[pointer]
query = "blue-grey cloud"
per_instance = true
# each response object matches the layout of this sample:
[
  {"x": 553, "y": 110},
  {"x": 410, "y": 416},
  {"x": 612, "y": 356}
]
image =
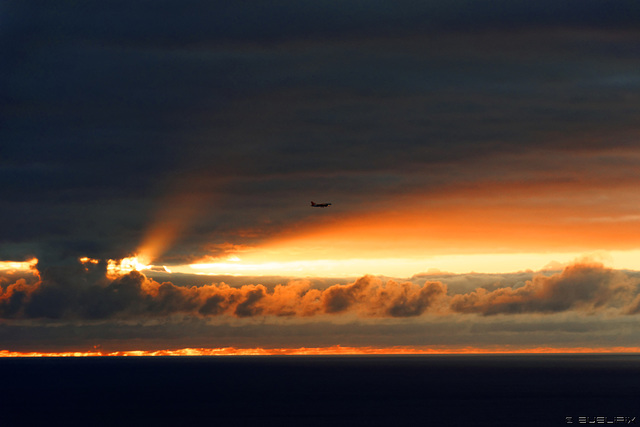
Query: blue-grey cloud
[{"x": 109, "y": 107}]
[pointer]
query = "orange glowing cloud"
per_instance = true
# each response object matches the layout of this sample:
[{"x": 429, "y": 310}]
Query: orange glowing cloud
[
  {"x": 67, "y": 294},
  {"x": 126, "y": 292}
]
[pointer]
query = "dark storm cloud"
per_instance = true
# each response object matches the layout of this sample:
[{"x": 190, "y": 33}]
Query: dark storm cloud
[
  {"x": 110, "y": 108},
  {"x": 171, "y": 22}
]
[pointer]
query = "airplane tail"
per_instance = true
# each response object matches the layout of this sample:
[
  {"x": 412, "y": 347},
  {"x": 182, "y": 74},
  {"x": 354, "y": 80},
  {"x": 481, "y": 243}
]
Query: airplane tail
[{"x": 313, "y": 204}]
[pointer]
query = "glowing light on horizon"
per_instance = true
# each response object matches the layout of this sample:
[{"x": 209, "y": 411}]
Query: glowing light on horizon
[
  {"x": 258, "y": 264},
  {"x": 18, "y": 265},
  {"x": 319, "y": 351},
  {"x": 125, "y": 265}
]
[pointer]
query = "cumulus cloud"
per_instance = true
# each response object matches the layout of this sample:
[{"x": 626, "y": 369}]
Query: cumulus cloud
[
  {"x": 370, "y": 296},
  {"x": 585, "y": 287},
  {"x": 86, "y": 292}
]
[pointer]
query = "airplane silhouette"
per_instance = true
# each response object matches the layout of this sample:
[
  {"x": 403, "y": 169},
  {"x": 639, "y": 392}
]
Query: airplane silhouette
[{"x": 320, "y": 205}]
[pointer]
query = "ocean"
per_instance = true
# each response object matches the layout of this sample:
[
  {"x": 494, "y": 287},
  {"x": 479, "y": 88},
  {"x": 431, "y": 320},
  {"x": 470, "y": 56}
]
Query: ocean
[{"x": 417, "y": 390}]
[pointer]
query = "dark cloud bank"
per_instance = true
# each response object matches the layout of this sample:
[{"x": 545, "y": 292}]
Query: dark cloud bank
[{"x": 111, "y": 108}]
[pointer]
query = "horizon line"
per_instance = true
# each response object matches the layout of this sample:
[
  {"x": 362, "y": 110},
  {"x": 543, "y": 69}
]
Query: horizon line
[{"x": 335, "y": 350}]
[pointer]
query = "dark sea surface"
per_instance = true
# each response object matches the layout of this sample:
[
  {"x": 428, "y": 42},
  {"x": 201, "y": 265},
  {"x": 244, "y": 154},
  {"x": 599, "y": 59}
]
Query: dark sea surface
[{"x": 430, "y": 390}]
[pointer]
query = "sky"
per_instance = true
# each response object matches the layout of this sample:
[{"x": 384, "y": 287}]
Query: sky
[{"x": 158, "y": 160}]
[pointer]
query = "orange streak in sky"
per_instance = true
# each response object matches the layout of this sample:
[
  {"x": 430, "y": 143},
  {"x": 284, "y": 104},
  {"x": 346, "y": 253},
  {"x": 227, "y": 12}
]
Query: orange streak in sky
[
  {"x": 489, "y": 221},
  {"x": 172, "y": 219},
  {"x": 321, "y": 351}
]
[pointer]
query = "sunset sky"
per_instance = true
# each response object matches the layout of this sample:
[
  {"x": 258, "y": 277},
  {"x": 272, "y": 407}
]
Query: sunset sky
[{"x": 158, "y": 160}]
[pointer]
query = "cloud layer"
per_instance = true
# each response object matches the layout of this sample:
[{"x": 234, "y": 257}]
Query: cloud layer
[
  {"x": 114, "y": 111},
  {"x": 578, "y": 287},
  {"x": 85, "y": 292}
]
